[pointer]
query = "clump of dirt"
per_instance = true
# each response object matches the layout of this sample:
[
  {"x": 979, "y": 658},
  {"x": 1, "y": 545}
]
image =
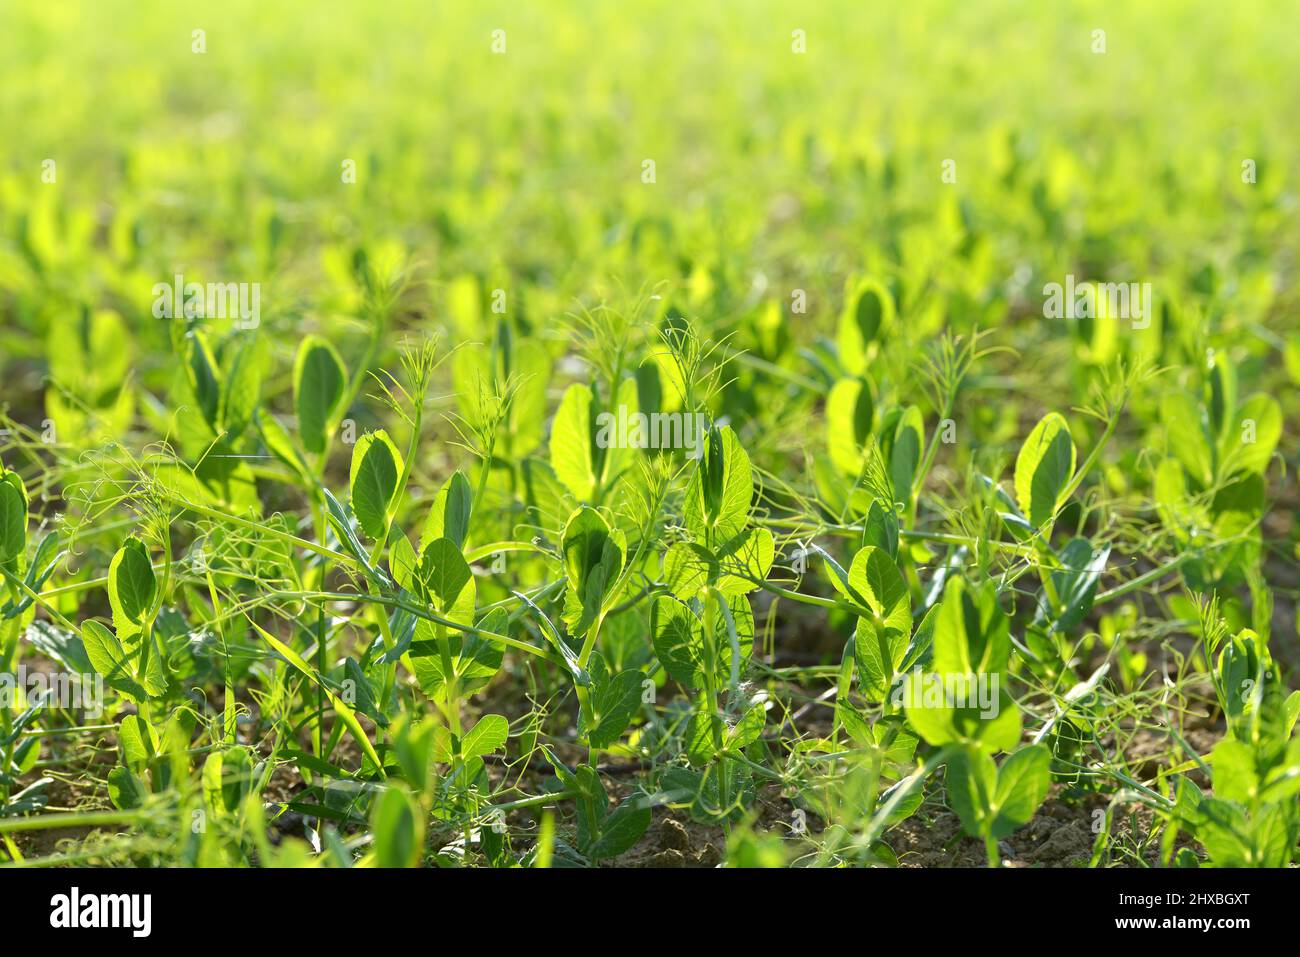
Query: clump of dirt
[
  {"x": 673, "y": 841},
  {"x": 1069, "y": 845}
]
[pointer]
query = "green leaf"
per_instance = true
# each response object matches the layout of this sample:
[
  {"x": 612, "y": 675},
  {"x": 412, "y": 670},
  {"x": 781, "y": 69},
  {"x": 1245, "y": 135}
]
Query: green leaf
[
  {"x": 880, "y": 529},
  {"x": 449, "y": 514},
  {"x": 745, "y": 561},
  {"x": 543, "y": 493},
  {"x": 1223, "y": 828},
  {"x": 850, "y": 414},
  {"x": 874, "y": 576},
  {"x": 953, "y": 708},
  {"x": 236, "y": 776},
  {"x": 971, "y": 780},
  {"x": 13, "y": 517},
  {"x": 1234, "y": 772},
  {"x": 919, "y": 648},
  {"x": 474, "y": 659},
  {"x": 1074, "y": 584},
  {"x": 865, "y": 320},
  {"x": 593, "y": 561},
  {"x": 1282, "y": 782},
  {"x": 279, "y": 444},
  {"x": 201, "y": 372},
  {"x": 131, "y": 584},
  {"x": 110, "y": 659},
  {"x": 879, "y": 654},
  {"x": 229, "y": 480},
  {"x": 488, "y": 735},
  {"x": 612, "y": 701},
  {"x": 676, "y": 634},
  {"x": 1044, "y": 468},
  {"x": 839, "y": 577},
  {"x": 702, "y": 746},
  {"x": 319, "y": 383},
  {"x": 397, "y": 823},
  {"x": 698, "y": 743},
  {"x": 1023, "y": 782},
  {"x": 571, "y": 443},
  {"x": 883, "y": 632},
  {"x": 242, "y": 389},
  {"x": 138, "y": 742},
  {"x": 65, "y": 647},
  {"x": 444, "y": 577},
  {"x": 905, "y": 452},
  {"x": 363, "y": 689},
  {"x": 720, "y": 490},
  {"x": 1222, "y": 382},
  {"x": 972, "y": 633},
  {"x": 1250, "y": 442},
  {"x": 523, "y": 365},
  {"x": 376, "y": 465},
  {"x": 993, "y": 802},
  {"x": 620, "y": 433},
  {"x": 1187, "y": 435},
  {"x": 687, "y": 569},
  {"x": 125, "y": 790},
  {"x": 413, "y": 746},
  {"x": 678, "y": 637},
  {"x": 1291, "y": 712},
  {"x": 403, "y": 563},
  {"x": 213, "y": 788},
  {"x": 621, "y": 829},
  {"x": 749, "y": 728}
]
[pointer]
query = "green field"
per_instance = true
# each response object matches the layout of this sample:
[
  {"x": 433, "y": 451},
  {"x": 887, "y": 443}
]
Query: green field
[{"x": 649, "y": 434}]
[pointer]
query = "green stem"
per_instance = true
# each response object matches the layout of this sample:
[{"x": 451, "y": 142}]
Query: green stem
[
  {"x": 319, "y": 737},
  {"x": 799, "y": 596},
  {"x": 486, "y": 551},
  {"x": 711, "y": 686},
  {"x": 532, "y": 801},
  {"x": 588, "y": 646},
  {"x": 1142, "y": 580},
  {"x": 1082, "y": 471},
  {"x": 263, "y": 529},
  {"x": 45, "y": 822},
  {"x": 991, "y": 848}
]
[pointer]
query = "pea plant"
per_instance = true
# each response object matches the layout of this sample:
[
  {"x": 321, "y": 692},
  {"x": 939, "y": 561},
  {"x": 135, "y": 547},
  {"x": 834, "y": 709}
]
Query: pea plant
[{"x": 474, "y": 491}]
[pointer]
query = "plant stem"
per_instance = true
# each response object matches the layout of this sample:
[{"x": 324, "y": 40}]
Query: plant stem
[
  {"x": 991, "y": 848},
  {"x": 1142, "y": 580}
]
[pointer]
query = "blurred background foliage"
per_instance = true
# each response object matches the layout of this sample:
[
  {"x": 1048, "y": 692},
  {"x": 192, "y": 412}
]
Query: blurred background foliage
[{"x": 774, "y": 171}]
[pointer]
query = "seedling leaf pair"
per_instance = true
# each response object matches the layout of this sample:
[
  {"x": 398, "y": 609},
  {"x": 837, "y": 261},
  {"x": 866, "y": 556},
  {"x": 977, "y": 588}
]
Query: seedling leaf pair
[
  {"x": 593, "y": 561},
  {"x": 884, "y": 627},
  {"x": 991, "y": 801}
]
